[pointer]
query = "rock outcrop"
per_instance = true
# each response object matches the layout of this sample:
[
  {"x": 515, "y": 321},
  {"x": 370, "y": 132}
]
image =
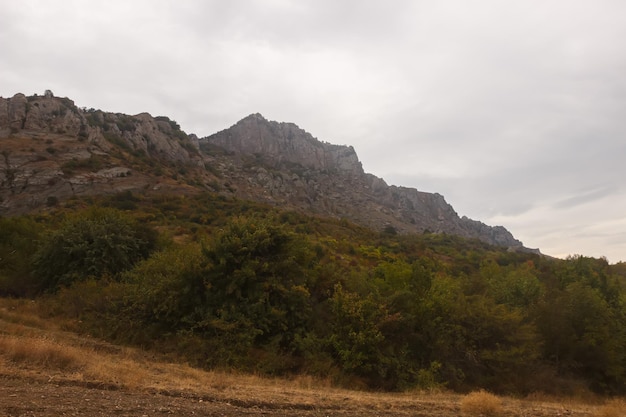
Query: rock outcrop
[{"x": 52, "y": 150}]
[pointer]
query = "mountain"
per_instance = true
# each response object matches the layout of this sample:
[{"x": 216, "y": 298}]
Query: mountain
[
  {"x": 52, "y": 150},
  {"x": 287, "y": 165}
]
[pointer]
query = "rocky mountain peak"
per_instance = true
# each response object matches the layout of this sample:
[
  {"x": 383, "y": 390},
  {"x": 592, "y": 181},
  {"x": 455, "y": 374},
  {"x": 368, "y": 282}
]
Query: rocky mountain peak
[{"x": 285, "y": 142}]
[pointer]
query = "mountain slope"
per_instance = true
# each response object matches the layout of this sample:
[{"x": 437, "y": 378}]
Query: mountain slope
[
  {"x": 52, "y": 150},
  {"x": 289, "y": 166}
]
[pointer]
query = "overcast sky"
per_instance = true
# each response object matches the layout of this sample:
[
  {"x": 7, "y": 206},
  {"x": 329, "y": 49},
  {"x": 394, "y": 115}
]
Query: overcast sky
[{"x": 514, "y": 111}]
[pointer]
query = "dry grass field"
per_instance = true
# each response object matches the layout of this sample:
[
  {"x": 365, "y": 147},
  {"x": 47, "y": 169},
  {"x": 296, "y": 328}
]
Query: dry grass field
[{"x": 46, "y": 371}]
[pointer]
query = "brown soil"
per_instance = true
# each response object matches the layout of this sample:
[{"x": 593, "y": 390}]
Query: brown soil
[
  {"x": 25, "y": 396},
  {"x": 19, "y": 397}
]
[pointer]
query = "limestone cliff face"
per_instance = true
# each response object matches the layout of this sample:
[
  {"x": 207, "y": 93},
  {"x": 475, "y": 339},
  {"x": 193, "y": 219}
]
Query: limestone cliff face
[
  {"x": 52, "y": 150},
  {"x": 292, "y": 168},
  {"x": 141, "y": 133}
]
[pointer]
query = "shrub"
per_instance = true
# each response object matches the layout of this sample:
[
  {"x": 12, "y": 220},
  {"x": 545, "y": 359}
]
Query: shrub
[
  {"x": 93, "y": 164},
  {"x": 124, "y": 200},
  {"x": 257, "y": 281},
  {"x": 429, "y": 378},
  {"x": 96, "y": 243},
  {"x": 164, "y": 290},
  {"x": 115, "y": 139},
  {"x": 52, "y": 201},
  {"x": 481, "y": 403},
  {"x": 19, "y": 238}
]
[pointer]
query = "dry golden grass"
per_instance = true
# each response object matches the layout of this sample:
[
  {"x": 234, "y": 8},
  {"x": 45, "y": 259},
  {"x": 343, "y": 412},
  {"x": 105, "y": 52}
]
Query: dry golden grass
[
  {"x": 481, "y": 403},
  {"x": 37, "y": 349},
  {"x": 41, "y": 352},
  {"x": 614, "y": 408}
]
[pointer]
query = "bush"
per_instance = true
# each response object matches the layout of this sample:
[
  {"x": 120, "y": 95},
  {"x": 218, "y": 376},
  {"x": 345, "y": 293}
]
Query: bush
[
  {"x": 93, "y": 244},
  {"x": 19, "y": 238},
  {"x": 124, "y": 200},
  {"x": 481, "y": 403},
  {"x": 52, "y": 201},
  {"x": 257, "y": 282},
  {"x": 93, "y": 164},
  {"x": 164, "y": 291}
]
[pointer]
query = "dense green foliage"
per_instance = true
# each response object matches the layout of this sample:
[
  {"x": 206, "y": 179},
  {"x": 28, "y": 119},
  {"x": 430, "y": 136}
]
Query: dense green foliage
[
  {"x": 242, "y": 285},
  {"x": 97, "y": 243},
  {"x": 19, "y": 239}
]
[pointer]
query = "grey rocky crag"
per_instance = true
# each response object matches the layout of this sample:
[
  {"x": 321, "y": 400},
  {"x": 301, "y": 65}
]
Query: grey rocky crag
[
  {"x": 283, "y": 164},
  {"x": 51, "y": 150}
]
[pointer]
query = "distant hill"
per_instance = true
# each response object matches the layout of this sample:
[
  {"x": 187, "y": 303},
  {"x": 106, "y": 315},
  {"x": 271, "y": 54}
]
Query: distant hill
[{"x": 51, "y": 150}]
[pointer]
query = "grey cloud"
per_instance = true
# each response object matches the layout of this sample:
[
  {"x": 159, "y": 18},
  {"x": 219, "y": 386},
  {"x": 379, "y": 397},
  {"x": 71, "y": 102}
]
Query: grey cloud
[
  {"x": 512, "y": 110},
  {"x": 307, "y": 23},
  {"x": 586, "y": 197}
]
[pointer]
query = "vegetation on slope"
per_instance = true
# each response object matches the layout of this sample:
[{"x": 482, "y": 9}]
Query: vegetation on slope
[
  {"x": 230, "y": 284},
  {"x": 46, "y": 371}
]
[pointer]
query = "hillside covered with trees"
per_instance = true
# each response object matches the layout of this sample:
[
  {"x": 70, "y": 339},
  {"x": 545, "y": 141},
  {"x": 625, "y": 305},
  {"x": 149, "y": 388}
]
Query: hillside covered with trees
[{"x": 224, "y": 283}]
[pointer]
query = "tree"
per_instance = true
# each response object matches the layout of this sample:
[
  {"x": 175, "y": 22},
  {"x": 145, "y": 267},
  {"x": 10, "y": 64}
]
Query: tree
[
  {"x": 584, "y": 335},
  {"x": 164, "y": 289},
  {"x": 516, "y": 286},
  {"x": 19, "y": 238},
  {"x": 256, "y": 282},
  {"x": 96, "y": 243},
  {"x": 356, "y": 337}
]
